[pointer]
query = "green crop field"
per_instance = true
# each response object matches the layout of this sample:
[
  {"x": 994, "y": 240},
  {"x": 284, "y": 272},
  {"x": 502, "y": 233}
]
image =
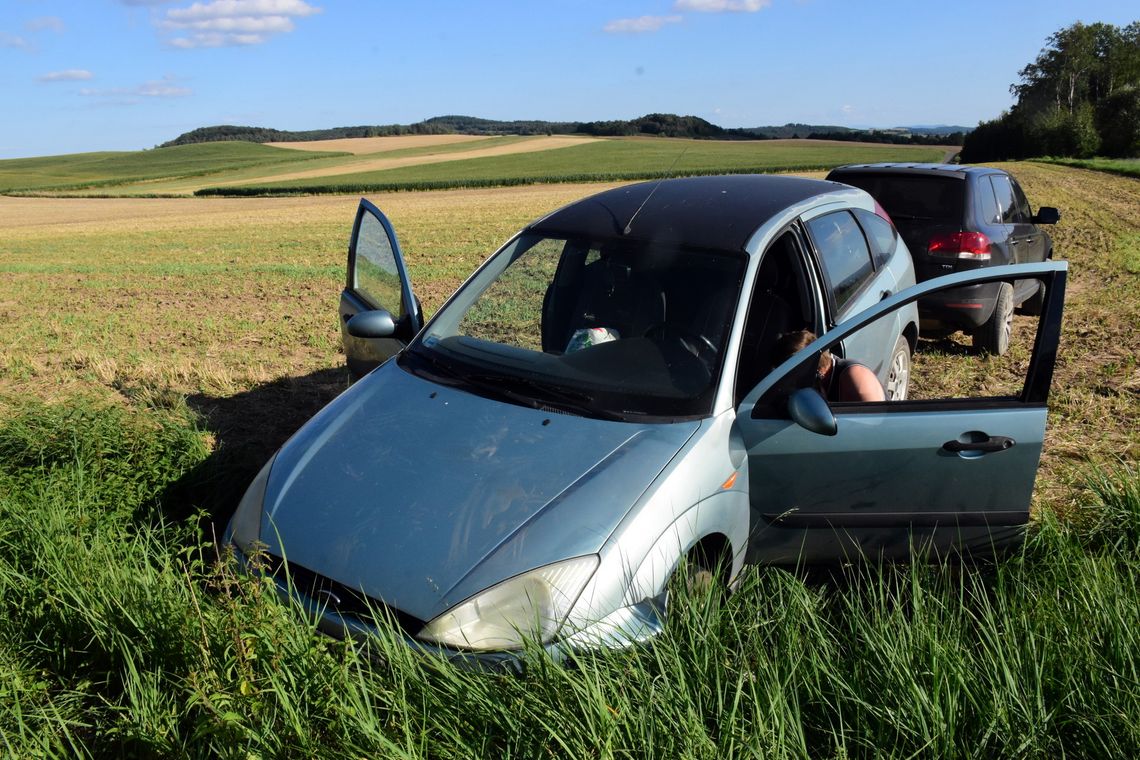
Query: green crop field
[
  {"x": 156, "y": 351},
  {"x": 605, "y": 160},
  {"x": 90, "y": 170},
  {"x": 239, "y": 168}
]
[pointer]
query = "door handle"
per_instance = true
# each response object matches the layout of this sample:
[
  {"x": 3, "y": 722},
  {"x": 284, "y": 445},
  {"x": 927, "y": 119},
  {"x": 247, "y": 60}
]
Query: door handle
[{"x": 988, "y": 445}]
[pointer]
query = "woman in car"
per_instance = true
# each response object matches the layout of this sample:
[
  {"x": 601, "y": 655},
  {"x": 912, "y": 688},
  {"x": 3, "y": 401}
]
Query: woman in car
[{"x": 837, "y": 379}]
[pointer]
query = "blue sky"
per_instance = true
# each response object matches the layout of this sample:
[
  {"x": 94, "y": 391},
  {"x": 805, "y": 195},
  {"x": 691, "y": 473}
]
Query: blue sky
[{"x": 86, "y": 75}]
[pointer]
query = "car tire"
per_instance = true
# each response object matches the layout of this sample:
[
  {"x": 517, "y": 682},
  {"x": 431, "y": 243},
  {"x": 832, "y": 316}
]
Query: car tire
[
  {"x": 993, "y": 336},
  {"x": 898, "y": 372}
]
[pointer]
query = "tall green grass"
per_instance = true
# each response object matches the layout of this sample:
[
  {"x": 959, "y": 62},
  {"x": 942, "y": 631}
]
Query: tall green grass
[
  {"x": 120, "y": 635},
  {"x": 1125, "y": 167}
]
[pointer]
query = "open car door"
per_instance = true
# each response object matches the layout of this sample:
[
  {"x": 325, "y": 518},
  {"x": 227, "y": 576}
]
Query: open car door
[
  {"x": 951, "y": 468},
  {"x": 377, "y": 299}
]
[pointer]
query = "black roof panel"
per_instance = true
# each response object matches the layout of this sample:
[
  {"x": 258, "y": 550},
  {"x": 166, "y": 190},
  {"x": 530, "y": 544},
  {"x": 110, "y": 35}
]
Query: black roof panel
[
  {"x": 945, "y": 170},
  {"x": 705, "y": 212}
]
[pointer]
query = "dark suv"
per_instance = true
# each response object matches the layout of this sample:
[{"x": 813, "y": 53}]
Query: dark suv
[{"x": 955, "y": 218}]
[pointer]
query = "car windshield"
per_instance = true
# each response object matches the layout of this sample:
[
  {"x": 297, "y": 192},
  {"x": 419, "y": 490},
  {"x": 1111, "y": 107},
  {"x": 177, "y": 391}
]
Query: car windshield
[{"x": 616, "y": 329}]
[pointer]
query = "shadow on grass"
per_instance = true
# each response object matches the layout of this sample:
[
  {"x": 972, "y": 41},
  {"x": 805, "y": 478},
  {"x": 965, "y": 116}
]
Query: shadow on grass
[{"x": 247, "y": 427}]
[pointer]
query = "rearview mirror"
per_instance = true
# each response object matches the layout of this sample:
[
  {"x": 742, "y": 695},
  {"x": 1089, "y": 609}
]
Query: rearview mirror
[
  {"x": 377, "y": 323},
  {"x": 1047, "y": 215},
  {"x": 810, "y": 411}
]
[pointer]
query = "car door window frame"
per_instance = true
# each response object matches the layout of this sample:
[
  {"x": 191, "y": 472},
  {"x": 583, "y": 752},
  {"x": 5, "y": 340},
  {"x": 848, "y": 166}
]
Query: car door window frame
[
  {"x": 409, "y": 310},
  {"x": 799, "y": 370}
]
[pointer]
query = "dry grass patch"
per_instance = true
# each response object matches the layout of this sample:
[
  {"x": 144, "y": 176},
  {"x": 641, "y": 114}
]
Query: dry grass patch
[{"x": 360, "y": 146}]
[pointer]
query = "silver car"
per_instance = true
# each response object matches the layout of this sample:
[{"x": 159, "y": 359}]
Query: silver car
[{"x": 601, "y": 401}]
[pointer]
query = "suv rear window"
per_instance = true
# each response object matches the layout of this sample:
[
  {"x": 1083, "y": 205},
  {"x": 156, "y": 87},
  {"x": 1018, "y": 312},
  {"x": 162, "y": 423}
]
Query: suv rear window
[{"x": 908, "y": 197}]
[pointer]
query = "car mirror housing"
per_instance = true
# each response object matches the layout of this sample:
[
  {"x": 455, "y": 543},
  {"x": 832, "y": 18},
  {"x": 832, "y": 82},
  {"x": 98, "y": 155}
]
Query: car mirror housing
[
  {"x": 810, "y": 411},
  {"x": 377, "y": 323},
  {"x": 1047, "y": 215}
]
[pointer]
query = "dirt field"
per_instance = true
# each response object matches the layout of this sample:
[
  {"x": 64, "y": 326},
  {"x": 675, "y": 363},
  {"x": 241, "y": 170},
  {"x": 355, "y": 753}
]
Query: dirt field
[
  {"x": 524, "y": 145},
  {"x": 364, "y": 145},
  {"x": 215, "y": 298}
]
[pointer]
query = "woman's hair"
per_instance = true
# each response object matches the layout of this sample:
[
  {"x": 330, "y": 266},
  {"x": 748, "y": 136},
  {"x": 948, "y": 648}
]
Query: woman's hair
[{"x": 793, "y": 342}]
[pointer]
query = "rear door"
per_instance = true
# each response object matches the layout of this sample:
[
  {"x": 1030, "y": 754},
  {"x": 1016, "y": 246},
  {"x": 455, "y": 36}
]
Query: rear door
[
  {"x": 853, "y": 284},
  {"x": 377, "y": 279},
  {"x": 950, "y": 467}
]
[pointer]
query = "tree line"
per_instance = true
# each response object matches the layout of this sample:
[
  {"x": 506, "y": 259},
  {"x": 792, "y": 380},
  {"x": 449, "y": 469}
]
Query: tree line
[
  {"x": 655, "y": 124},
  {"x": 1079, "y": 98}
]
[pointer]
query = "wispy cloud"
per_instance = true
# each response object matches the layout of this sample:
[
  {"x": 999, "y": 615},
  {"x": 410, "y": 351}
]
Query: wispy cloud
[
  {"x": 639, "y": 25},
  {"x": 167, "y": 87},
  {"x": 13, "y": 41},
  {"x": 68, "y": 75},
  {"x": 721, "y": 6},
  {"x": 223, "y": 23},
  {"x": 52, "y": 23}
]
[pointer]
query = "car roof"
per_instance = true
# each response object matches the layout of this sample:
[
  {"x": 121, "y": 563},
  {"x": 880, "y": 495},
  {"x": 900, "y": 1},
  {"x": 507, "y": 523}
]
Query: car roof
[
  {"x": 946, "y": 170},
  {"x": 720, "y": 212}
]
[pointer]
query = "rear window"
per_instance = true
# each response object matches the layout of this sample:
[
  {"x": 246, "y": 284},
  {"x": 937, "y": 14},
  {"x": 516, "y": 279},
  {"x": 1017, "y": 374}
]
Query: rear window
[{"x": 913, "y": 197}]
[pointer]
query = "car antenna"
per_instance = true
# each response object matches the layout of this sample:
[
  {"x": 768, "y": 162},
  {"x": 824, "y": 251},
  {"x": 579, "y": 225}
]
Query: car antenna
[{"x": 629, "y": 224}]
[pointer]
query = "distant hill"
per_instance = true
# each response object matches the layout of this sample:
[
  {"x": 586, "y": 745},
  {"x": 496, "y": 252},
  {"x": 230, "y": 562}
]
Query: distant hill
[{"x": 663, "y": 125}]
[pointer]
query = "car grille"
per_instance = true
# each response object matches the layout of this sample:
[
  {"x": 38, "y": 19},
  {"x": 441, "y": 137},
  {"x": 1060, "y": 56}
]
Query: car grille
[{"x": 337, "y": 597}]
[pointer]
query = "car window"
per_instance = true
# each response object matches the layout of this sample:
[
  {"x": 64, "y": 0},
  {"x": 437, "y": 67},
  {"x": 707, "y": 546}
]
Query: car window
[
  {"x": 376, "y": 276},
  {"x": 881, "y": 235},
  {"x": 988, "y": 207},
  {"x": 510, "y": 310},
  {"x": 1022, "y": 202},
  {"x": 941, "y": 370},
  {"x": 1003, "y": 191},
  {"x": 614, "y": 328},
  {"x": 844, "y": 254},
  {"x": 908, "y": 197}
]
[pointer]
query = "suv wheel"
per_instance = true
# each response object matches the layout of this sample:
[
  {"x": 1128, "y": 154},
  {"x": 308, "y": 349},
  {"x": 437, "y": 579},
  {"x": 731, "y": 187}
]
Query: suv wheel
[
  {"x": 993, "y": 336},
  {"x": 898, "y": 377}
]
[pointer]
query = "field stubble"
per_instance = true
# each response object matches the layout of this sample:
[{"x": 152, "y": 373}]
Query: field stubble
[{"x": 217, "y": 296}]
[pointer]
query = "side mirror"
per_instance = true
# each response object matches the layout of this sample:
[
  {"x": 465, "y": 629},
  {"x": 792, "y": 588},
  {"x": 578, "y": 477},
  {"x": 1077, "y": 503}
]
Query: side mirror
[
  {"x": 377, "y": 323},
  {"x": 810, "y": 411},
  {"x": 1047, "y": 215}
]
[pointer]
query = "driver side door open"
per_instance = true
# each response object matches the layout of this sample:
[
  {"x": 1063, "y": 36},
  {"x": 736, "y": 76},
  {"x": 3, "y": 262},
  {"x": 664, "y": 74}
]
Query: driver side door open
[
  {"x": 951, "y": 468},
  {"x": 377, "y": 281}
]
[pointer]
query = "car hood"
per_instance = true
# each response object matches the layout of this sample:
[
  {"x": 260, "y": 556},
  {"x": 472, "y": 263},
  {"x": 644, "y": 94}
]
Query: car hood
[{"x": 420, "y": 495}]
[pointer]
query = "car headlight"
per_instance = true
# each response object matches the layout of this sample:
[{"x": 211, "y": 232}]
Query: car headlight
[
  {"x": 245, "y": 526},
  {"x": 532, "y": 605}
]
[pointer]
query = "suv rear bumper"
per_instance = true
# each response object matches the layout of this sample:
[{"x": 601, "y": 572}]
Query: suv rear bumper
[{"x": 965, "y": 308}]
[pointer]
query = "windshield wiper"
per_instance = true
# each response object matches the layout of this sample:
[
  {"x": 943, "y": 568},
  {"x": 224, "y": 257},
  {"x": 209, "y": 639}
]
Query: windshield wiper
[{"x": 535, "y": 393}]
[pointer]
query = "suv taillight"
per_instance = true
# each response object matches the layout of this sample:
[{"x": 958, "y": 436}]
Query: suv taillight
[{"x": 961, "y": 245}]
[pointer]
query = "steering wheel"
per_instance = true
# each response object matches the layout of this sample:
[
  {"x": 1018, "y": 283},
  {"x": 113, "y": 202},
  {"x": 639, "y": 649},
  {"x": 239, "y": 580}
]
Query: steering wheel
[{"x": 694, "y": 343}]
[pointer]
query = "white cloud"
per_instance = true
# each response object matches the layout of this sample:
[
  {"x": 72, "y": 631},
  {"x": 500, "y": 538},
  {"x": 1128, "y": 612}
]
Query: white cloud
[
  {"x": 68, "y": 75},
  {"x": 163, "y": 88},
  {"x": 12, "y": 41},
  {"x": 639, "y": 25},
  {"x": 54, "y": 23},
  {"x": 721, "y": 6},
  {"x": 223, "y": 23},
  {"x": 240, "y": 8}
]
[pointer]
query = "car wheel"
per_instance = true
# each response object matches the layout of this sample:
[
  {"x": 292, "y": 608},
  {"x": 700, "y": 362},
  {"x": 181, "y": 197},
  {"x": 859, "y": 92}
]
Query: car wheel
[
  {"x": 898, "y": 377},
  {"x": 993, "y": 336}
]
